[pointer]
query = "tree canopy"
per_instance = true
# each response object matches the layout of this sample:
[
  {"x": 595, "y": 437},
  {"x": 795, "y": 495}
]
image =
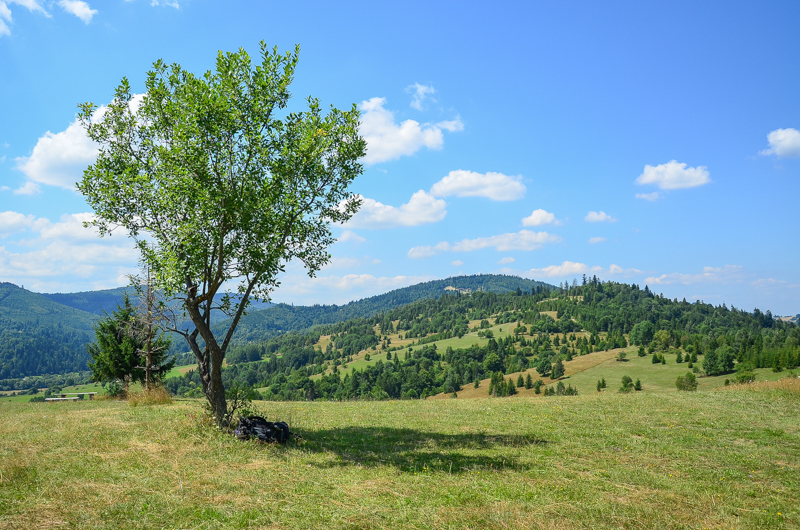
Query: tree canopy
[{"x": 220, "y": 186}]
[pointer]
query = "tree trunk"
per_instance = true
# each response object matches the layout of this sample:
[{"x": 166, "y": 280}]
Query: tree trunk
[{"x": 209, "y": 363}]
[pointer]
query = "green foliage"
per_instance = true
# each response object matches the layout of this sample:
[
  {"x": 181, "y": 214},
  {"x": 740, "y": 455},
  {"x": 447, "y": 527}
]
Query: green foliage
[
  {"x": 687, "y": 383},
  {"x": 217, "y": 185},
  {"x": 117, "y": 351},
  {"x": 719, "y": 361},
  {"x": 642, "y": 333},
  {"x": 637, "y": 385},
  {"x": 528, "y": 382},
  {"x": 558, "y": 370},
  {"x": 627, "y": 385}
]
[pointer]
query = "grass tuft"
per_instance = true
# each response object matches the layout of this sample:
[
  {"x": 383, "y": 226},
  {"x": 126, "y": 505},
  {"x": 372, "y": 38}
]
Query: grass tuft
[{"x": 154, "y": 396}]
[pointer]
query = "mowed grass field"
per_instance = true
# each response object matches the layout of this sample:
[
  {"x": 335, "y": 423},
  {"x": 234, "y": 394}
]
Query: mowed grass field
[{"x": 725, "y": 458}]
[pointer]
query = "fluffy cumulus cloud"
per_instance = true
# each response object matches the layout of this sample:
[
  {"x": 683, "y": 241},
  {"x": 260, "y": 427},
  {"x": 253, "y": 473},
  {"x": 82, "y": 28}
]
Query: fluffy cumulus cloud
[
  {"x": 726, "y": 274},
  {"x": 674, "y": 175},
  {"x": 422, "y": 208},
  {"x": 388, "y": 140},
  {"x": 78, "y": 8},
  {"x": 599, "y": 217},
  {"x": 494, "y": 186},
  {"x": 567, "y": 268},
  {"x": 421, "y": 93},
  {"x": 59, "y": 159},
  {"x": 595, "y": 240},
  {"x": 457, "y": 263},
  {"x": 522, "y": 240},
  {"x": 783, "y": 143},
  {"x": 540, "y": 217},
  {"x": 62, "y": 255}
]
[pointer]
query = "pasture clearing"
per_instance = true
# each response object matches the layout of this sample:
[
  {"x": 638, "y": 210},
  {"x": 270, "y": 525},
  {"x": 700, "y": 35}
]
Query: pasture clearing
[{"x": 709, "y": 459}]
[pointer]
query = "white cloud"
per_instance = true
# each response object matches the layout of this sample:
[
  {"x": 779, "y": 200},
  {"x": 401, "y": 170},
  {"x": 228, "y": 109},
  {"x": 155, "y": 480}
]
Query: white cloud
[
  {"x": 599, "y": 217},
  {"x": 14, "y": 222},
  {"x": 386, "y": 140},
  {"x": 457, "y": 263},
  {"x": 649, "y": 196},
  {"x": 5, "y": 19},
  {"x": 594, "y": 240},
  {"x": 674, "y": 175},
  {"x": 29, "y": 188},
  {"x": 726, "y": 274},
  {"x": 32, "y": 5},
  {"x": 59, "y": 159},
  {"x": 540, "y": 217},
  {"x": 506, "y": 260},
  {"x": 455, "y": 125},
  {"x": 783, "y": 143},
  {"x": 349, "y": 235},
  {"x": 495, "y": 186},
  {"x": 566, "y": 268},
  {"x": 78, "y": 8},
  {"x": 421, "y": 92},
  {"x": 422, "y": 208},
  {"x": 376, "y": 261},
  {"x": 522, "y": 240},
  {"x": 573, "y": 268},
  {"x": 62, "y": 256}
]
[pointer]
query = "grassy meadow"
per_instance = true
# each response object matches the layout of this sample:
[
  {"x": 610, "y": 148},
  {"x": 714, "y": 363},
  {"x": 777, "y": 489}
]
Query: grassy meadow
[{"x": 723, "y": 458}]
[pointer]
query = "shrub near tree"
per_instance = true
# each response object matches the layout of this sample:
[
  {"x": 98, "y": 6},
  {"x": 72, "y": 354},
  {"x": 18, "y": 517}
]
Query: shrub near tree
[
  {"x": 627, "y": 384},
  {"x": 687, "y": 383}
]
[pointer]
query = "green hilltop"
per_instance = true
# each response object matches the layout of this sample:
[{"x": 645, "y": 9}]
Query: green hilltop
[{"x": 458, "y": 343}]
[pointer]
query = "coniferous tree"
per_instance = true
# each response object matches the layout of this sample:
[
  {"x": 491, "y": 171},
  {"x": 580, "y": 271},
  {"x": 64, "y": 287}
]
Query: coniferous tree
[
  {"x": 599, "y": 386},
  {"x": 558, "y": 370},
  {"x": 638, "y": 385},
  {"x": 520, "y": 381},
  {"x": 603, "y": 382},
  {"x": 528, "y": 382}
]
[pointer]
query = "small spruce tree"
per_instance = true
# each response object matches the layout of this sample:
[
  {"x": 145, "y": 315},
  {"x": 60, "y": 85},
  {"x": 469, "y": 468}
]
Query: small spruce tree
[
  {"x": 603, "y": 382},
  {"x": 638, "y": 385},
  {"x": 520, "y": 381},
  {"x": 599, "y": 386},
  {"x": 528, "y": 382},
  {"x": 558, "y": 370}
]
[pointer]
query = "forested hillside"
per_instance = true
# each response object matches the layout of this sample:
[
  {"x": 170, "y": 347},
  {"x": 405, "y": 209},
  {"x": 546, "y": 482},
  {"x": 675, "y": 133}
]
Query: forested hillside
[
  {"x": 40, "y": 336},
  {"x": 282, "y": 318},
  {"x": 48, "y": 333},
  {"x": 400, "y": 358}
]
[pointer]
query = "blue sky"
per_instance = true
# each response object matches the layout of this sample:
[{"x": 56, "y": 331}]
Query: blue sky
[{"x": 654, "y": 143}]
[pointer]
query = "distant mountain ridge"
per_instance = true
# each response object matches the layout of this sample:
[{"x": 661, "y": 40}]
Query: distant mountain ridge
[
  {"x": 47, "y": 333},
  {"x": 284, "y": 317}
]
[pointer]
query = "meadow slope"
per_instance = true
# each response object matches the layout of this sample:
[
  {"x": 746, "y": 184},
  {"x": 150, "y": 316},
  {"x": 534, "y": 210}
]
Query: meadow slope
[{"x": 713, "y": 459}]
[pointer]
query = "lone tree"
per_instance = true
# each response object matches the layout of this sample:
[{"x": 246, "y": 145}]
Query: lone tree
[{"x": 220, "y": 187}]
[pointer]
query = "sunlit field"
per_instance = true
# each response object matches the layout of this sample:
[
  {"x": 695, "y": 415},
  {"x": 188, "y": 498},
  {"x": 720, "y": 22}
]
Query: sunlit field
[{"x": 724, "y": 458}]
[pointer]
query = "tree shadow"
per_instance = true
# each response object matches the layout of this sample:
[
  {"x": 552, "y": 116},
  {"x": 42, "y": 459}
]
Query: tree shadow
[{"x": 412, "y": 450}]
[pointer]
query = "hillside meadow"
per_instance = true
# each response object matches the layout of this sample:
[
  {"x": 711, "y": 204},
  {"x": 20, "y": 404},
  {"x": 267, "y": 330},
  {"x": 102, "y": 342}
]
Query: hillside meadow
[{"x": 725, "y": 458}]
